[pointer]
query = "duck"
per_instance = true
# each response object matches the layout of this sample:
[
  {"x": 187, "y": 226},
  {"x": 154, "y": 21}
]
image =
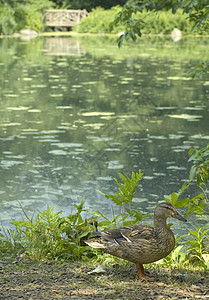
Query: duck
[{"x": 140, "y": 244}]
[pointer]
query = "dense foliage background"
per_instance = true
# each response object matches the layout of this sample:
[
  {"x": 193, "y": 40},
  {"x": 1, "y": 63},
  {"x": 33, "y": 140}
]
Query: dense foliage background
[
  {"x": 20, "y": 14},
  {"x": 163, "y": 22},
  {"x": 17, "y": 14},
  {"x": 88, "y": 4},
  {"x": 134, "y": 17}
]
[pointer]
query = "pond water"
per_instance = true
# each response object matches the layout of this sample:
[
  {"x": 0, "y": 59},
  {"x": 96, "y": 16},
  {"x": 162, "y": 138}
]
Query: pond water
[{"x": 76, "y": 112}]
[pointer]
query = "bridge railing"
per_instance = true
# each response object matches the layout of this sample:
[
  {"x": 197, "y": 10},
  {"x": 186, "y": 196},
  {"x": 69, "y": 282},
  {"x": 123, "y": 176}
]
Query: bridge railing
[{"x": 63, "y": 17}]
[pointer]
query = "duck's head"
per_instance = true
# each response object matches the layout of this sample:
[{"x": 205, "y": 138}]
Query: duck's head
[{"x": 166, "y": 210}]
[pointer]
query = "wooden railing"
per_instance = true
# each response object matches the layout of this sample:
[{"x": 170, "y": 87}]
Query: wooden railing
[{"x": 63, "y": 17}]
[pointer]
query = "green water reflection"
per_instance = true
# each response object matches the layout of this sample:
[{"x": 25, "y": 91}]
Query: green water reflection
[{"x": 75, "y": 112}]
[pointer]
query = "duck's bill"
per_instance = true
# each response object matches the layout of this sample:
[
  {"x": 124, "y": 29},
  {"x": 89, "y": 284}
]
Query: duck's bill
[{"x": 179, "y": 217}]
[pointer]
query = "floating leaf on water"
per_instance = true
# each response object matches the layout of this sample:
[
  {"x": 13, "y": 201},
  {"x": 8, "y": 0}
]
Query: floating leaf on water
[
  {"x": 160, "y": 79},
  {"x": 34, "y": 110},
  {"x": 107, "y": 117},
  {"x": 27, "y": 79},
  {"x": 10, "y": 163},
  {"x": 66, "y": 124},
  {"x": 54, "y": 80},
  {"x": 11, "y": 95},
  {"x": 175, "y": 168},
  {"x": 107, "y": 178},
  {"x": 127, "y": 116},
  {"x": 112, "y": 149},
  {"x": 76, "y": 86},
  {"x": 63, "y": 127},
  {"x": 166, "y": 107},
  {"x": 39, "y": 85},
  {"x": 178, "y": 78},
  {"x": 194, "y": 108},
  {"x": 189, "y": 88},
  {"x": 206, "y": 83},
  {"x": 199, "y": 136},
  {"x": 67, "y": 145},
  {"x": 62, "y": 64},
  {"x": 56, "y": 95},
  {"x": 19, "y": 108},
  {"x": 10, "y": 124},
  {"x": 149, "y": 177},
  {"x": 184, "y": 147},
  {"x": 144, "y": 54},
  {"x": 63, "y": 107},
  {"x": 127, "y": 78},
  {"x": 159, "y": 174},
  {"x": 97, "y": 113},
  {"x": 58, "y": 152},
  {"x": 54, "y": 76},
  {"x": 29, "y": 129},
  {"x": 95, "y": 125},
  {"x": 153, "y": 159},
  {"x": 45, "y": 137},
  {"x": 156, "y": 121},
  {"x": 186, "y": 117},
  {"x": 20, "y": 156},
  {"x": 42, "y": 140},
  {"x": 100, "y": 139},
  {"x": 114, "y": 165},
  {"x": 158, "y": 137},
  {"x": 90, "y": 82},
  {"x": 51, "y": 131},
  {"x": 175, "y": 136}
]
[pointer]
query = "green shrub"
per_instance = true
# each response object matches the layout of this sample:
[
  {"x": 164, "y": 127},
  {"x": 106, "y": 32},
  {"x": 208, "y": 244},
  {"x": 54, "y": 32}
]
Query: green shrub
[
  {"x": 98, "y": 21},
  {"x": 7, "y": 20},
  {"x": 16, "y": 16},
  {"x": 162, "y": 22},
  {"x": 50, "y": 236}
]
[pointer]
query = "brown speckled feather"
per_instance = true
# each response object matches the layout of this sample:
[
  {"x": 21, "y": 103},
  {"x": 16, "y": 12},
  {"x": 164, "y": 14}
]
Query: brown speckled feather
[{"x": 140, "y": 244}]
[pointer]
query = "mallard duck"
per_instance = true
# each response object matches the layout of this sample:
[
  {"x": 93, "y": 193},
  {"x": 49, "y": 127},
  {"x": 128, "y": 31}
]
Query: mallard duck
[{"x": 140, "y": 244}]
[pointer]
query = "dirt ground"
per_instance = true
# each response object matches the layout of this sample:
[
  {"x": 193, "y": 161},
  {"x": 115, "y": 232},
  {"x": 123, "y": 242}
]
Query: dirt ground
[{"x": 27, "y": 279}]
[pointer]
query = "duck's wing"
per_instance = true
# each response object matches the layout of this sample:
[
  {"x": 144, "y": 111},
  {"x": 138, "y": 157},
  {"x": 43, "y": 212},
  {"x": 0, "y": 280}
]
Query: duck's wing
[
  {"x": 109, "y": 235},
  {"x": 137, "y": 232},
  {"x": 101, "y": 239},
  {"x": 126, "y": 233}
]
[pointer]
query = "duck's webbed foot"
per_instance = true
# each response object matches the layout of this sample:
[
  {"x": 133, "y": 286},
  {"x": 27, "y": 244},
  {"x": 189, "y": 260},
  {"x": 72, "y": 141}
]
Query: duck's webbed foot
[{"x": 141, "y": 273}]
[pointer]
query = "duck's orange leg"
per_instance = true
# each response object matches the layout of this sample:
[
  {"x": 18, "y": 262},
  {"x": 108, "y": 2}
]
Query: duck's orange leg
[{"x": 141, "y": 273}]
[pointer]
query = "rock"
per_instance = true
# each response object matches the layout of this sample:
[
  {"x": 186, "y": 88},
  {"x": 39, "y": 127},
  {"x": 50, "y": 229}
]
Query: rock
[
  {"x": 120, "y": 33},
  {"x": 28, "y": 32},
  {"x": 16, "y": 34},
  {"x": 176, "y": 35}
]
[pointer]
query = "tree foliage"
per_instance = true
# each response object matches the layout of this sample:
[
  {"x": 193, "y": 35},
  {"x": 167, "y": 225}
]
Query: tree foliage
[
  {"x": 198, "y": 13},
  {"x": 17, "y": 14},
  {"x": 88, "y": 4},
  {"x": 129, "y": 16}
]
